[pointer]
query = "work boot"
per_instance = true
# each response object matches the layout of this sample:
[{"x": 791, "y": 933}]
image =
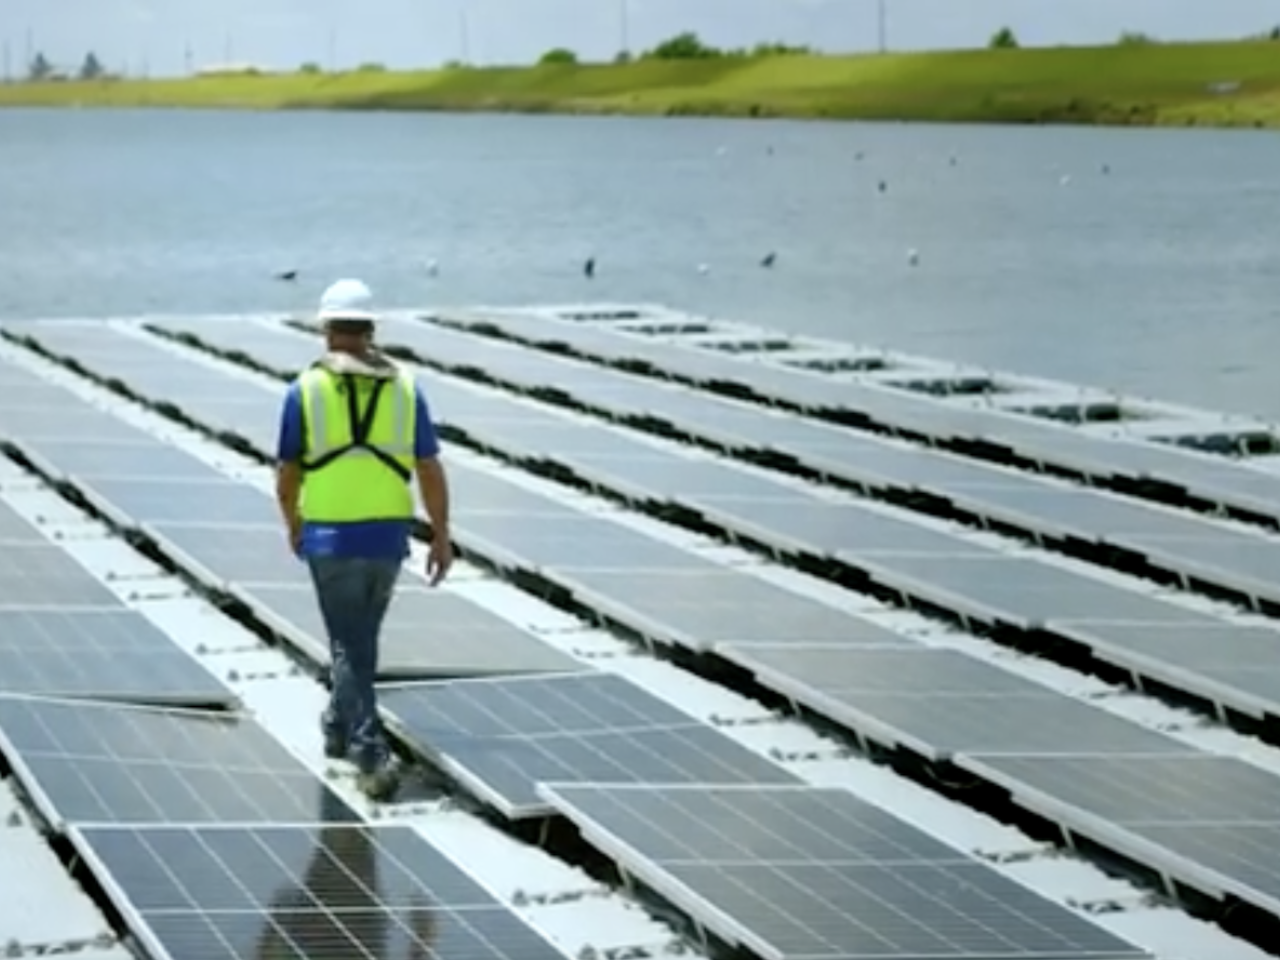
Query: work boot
[
  {"x": 336, "y": 746},
  {"x": 379, "y": 782}
]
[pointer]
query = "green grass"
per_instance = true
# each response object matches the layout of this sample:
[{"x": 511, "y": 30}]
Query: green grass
[{"x": 1165, "y": 84}]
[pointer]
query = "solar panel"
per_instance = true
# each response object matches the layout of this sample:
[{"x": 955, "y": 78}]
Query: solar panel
[
  {"x": 1247, "y": 562},
  {"x": 71, "y": 419},
  {"x": 109, "y": 654},
  {"x": 550, "y": 437},
  {"x": 817, "y": 873},
  {"x": 941, "y": 702},
  {"x": 233, "y": 554},
  {"x": 44, "y": 575},
  {"x": 653, "y": 473},
  {"x": 245, "y": 893},
  {"x": 270, "y": 343},
  {"x": 1192, "y": 789},
  {"x": 502, "y": 738},
  {"x": 701, "y": 610},
  {"x": 15, "y": 527},
  {"x": 1015, "y": 589},
  {"x": 1197, "y": 646},
  {"x": 851, "y": 530},
  {"x": 84, "y": 459},
  {"x": 211, "y": 499},
  {"x": 1204, "y": 820},
  {"x": 426, "y": 633},
  {"x": 571, "y": 543},
  {"x": 457, "y": 404},
  {"x": 1089, "y": 513},
  {"x": 157, "y": 677},
  {"x": 477, "y": 491},
  {"x": 96, "y": 763}
]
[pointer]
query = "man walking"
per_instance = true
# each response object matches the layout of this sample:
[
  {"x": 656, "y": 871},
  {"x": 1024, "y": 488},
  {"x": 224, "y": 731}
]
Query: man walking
[{"x": 354, "y": 432}]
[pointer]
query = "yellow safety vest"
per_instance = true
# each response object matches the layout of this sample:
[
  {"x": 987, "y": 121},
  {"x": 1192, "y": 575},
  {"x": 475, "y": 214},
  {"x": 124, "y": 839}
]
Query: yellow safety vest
[{"x": 358, "y": 458}]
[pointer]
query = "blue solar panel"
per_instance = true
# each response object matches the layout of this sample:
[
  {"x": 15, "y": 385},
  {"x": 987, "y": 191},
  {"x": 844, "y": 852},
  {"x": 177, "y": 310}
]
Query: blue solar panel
[
  {"x": 213, "y": 498},
  {"x": 819, "y": 874},
  {"x": 942, "y": 702},
  {"x": 504, "y": 737},
  {"x": 34, "y": 574},
  {"x": 323, "y": 893},
  {"x": 105, "y": 653},
  {"x": 227, "y": 554},
  {"x": 1163, "y": 811},
  {"x": 87, "y": 762}
]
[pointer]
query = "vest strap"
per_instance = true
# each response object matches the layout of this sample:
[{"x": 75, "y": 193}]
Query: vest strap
[{"x": 361, "y": 423}]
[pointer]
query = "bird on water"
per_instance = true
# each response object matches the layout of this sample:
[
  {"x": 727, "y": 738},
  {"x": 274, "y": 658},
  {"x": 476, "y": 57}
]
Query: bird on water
[
  {"x": 589, "y": 268},
  {"x": 769, "y": 260},
  {"x": 288, "y": 276}
]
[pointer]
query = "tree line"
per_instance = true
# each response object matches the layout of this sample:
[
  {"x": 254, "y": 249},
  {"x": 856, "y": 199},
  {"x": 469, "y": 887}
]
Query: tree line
[
  {"x": 42, "y": 69},
  {"x": 687, "y": 46},
  {"x": 1006, "y": 39}
]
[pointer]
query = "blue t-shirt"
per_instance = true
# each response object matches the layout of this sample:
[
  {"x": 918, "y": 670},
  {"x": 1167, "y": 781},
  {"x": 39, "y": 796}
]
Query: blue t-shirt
[{"x": 374, "y": 539}]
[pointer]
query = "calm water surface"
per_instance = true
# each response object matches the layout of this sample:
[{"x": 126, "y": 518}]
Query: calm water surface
[{"x": 1148, "y": 261}]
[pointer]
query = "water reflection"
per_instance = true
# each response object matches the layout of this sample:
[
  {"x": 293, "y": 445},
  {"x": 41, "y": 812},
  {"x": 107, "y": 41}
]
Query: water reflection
[{"x": 338, "y": 912}]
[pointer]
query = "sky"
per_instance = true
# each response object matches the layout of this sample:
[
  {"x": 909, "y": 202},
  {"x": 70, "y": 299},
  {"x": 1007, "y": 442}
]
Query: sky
[{"x": 155, "y": 36}]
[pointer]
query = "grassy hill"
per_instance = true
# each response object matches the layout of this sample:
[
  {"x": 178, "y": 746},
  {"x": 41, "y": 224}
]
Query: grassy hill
[{"x": 1226, "y": 84}]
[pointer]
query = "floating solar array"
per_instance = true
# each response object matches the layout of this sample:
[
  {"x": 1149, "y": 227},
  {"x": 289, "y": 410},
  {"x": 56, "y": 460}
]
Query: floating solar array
[
  {"x": 799, "y": 872},
  {"x": 709, "y": 606},
  {"x": 502, "y": 738},
  {"x": 511, "y": 737},
  {"x": 316, "y": 892},
  {"x": 1046, "y": 443},
  {"x": 98, "y": 763}
]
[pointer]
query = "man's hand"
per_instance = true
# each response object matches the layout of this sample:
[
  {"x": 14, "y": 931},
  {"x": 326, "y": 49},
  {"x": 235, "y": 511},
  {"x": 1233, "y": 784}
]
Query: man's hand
[{"x": 439, "y": 558}]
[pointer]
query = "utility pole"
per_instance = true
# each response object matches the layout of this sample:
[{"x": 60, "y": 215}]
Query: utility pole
[
  {"x": 882, "y": 25},
  {"x": 228, "y": 48},
  {"x": 8, "y": 64},
  {"x": 188, "y": 58},
  {"x": 464, "y": 34},
  {"x": 624, "y": 13},
  {"x": 29, "y": 51},
  {"x": 331, "y": 53}
]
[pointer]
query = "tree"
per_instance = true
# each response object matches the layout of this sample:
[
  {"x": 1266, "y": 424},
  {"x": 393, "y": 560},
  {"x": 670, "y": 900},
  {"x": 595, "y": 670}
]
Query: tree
[
  {"x": 91, "y": 69},
  {"x": 40, "y": 68},
  {"x": 1274, "y": 34},
  {"x": 683, "y": 46},
  {"x": 561, "y": 55},
  {"x": 1003, "y": 39},
  {"x": 372, "y": 67},
  {"x": 1132, "y": 38},
  {"x": 779, "y": 50},
  {"x": 311, "y": 68}
]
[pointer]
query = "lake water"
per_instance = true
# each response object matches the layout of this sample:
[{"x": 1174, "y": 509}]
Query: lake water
[{"x": 1147, "y": 261}]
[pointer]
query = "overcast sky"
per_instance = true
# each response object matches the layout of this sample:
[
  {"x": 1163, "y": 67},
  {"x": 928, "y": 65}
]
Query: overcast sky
[{"x": 285, "y": 33}]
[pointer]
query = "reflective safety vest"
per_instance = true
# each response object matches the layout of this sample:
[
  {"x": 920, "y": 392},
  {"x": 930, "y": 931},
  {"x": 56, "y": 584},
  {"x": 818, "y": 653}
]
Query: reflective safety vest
[{"x": 358, "y": 458}]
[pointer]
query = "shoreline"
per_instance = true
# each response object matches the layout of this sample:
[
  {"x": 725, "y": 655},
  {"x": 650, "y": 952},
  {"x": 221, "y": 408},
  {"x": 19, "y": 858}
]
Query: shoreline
[{"x": 1154, "y": 85}]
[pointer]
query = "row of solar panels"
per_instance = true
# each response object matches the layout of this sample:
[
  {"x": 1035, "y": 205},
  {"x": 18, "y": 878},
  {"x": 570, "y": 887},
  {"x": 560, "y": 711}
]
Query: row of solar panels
[
  {"x": 938, "y": 702},
  {"x": 1200, "y": 477},
  {"x": 635, "y": 576},
  {"x": 129, "y": 787},
  {"x": 1187, "y": 543}
]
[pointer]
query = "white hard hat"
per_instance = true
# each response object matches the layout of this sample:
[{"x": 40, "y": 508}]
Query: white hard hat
[{"x": 347, "y": 300}]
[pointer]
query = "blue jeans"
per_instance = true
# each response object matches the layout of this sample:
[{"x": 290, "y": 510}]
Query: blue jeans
[{"x": 354, "y": 594}]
